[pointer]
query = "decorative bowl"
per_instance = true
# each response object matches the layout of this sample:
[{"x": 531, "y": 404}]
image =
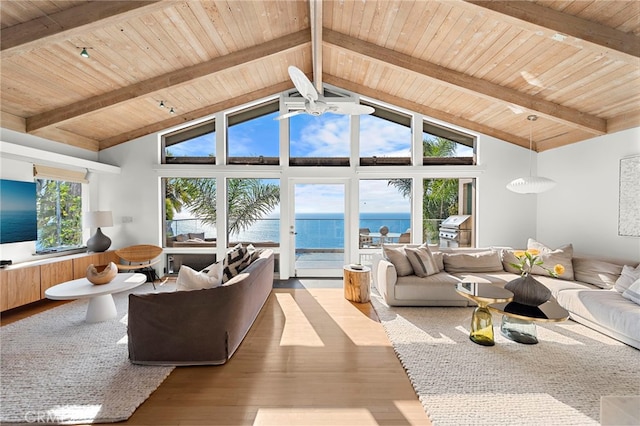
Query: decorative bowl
[{"x": 102, "y": 274}]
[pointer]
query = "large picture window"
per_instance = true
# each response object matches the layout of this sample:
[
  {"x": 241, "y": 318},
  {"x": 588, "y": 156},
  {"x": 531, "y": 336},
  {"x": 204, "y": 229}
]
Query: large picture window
[
  {"x": 443, "y": 198},
  {"x": 59, "y": 213},
  {"x": 443, "y": 146},
  {"x": 385, "y": 138},
  {"x": 252, "y": 135},
  {"x": 190, "y": 212},
  {"x": 319, "y": 141},
  {"x": 194, "y": 145},
  {"x": 385, "y": 212},
  {"x": 253, "y": 211}
]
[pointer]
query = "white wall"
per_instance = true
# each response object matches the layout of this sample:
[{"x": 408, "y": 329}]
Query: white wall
[
  {"x": 134, "y": 194},
  {"x": 583, "y": 208},
  {"x": 504, "y": 217}
]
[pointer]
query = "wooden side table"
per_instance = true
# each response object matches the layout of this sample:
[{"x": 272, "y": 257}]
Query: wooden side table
[{"x": 357, "y": 284}]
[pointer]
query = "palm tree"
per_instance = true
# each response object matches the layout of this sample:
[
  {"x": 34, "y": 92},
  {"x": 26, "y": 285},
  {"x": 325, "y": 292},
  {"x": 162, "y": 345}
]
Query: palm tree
[
  {"x": 248, "y": 200},
  {"x": 440, "y": 195}
]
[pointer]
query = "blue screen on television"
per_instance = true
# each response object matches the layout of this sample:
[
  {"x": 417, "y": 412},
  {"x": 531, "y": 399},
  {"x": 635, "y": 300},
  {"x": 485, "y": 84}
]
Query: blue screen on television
[{"x": 18, "y": 220}]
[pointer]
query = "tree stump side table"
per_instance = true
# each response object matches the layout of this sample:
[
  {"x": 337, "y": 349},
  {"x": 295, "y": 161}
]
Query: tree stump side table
[{"x": 357, "y": 284}]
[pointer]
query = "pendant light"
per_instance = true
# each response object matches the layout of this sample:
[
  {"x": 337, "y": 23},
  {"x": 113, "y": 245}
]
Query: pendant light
[{"x": 531, "y": 184}]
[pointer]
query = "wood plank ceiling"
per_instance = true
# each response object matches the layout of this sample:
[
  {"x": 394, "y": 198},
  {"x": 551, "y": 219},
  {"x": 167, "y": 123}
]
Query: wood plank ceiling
[{"x": 478, "y": 64}]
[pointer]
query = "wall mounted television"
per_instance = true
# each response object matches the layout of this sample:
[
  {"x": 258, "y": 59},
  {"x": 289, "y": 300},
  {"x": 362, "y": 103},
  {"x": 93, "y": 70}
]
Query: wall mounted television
[{"x": 18, "y": 219}]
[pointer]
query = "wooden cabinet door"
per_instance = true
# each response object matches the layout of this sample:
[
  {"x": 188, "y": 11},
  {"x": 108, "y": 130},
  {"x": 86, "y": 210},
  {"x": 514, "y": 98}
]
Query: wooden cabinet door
[
  {"x": 80, "y": 264},
  {"x": 19, "y": 287},
  {"x": 55, "y": 273}
]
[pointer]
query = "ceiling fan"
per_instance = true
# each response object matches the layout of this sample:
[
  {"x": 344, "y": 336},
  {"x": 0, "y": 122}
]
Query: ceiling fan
[{"x": 316, "y": 104}]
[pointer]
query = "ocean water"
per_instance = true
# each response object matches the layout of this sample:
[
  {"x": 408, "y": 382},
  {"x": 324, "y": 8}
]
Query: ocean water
[
  {"x": 313, "y": 230},
  {"x": 16, "y": 226}
]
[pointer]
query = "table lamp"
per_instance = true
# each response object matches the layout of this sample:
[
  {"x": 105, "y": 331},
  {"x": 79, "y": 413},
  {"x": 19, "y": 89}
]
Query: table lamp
[{"x": 99, "y": 242}]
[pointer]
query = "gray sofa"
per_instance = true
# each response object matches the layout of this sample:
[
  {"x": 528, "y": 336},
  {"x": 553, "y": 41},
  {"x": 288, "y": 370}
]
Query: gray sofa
[
  {"x": 600, "y": 306},
  {"x": 202, "y": 326}
]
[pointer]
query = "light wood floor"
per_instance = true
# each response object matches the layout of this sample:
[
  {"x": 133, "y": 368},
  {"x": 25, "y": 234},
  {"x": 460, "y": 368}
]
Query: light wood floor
[{"x": 311, "y": 358}]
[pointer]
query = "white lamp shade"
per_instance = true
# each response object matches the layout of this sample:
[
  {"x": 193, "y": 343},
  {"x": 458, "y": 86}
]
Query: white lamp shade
[
  {"x": 98, "y": 219},
  {"x": 531, "y": 185}
]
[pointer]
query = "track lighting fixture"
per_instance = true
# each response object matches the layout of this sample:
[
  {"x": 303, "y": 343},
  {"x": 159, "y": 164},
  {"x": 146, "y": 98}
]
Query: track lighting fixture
[
  {"x": 172, "y": 110},
  {"x": 84, "y": 53}
]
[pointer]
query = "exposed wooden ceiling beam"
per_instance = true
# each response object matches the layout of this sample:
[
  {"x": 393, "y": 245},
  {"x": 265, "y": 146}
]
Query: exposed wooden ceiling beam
[
  {"x": 469, "y": 84},
  {"x": 72, "y": 22},
  {"x": 425, "y": 110},
  {"x": 532, "y": 16},
  {"x": 194, "y": 115},
  {"x": 163, "y": 82},
  {"x": 69, "y": 138},
  {"x": 315, "y": 9}
]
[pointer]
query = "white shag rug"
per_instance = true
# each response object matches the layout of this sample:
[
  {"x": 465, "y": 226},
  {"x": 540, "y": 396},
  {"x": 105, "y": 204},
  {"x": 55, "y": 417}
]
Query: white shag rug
[
  {"x": 558, "y": 381},
  {"x": 58, "y": 369}
]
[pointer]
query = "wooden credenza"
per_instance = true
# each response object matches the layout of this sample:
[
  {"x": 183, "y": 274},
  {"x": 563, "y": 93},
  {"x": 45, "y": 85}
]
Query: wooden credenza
[{"x": 26, "y": 282}]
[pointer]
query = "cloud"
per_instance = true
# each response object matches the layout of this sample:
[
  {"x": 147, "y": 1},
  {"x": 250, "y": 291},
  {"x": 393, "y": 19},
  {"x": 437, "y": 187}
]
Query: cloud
[
  {"x": 378, "y": 196},
  {"x": 328, "y": 136},
  {"x": 323, "y": 136},
  {"x": 201, "y": 146},
  {"x": 382, "y": 138}
]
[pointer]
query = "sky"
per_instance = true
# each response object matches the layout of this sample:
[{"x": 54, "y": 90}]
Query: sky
[{"x": 323, "y": 136}]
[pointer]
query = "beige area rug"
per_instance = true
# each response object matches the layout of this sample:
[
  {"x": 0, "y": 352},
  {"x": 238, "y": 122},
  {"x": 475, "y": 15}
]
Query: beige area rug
[
  {"x": 58, "y": 369},
  {"x": 559, "y": 381}
]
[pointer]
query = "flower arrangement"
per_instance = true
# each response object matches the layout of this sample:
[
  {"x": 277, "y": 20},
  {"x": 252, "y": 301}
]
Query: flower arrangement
[{"x": 529, "y": 258}]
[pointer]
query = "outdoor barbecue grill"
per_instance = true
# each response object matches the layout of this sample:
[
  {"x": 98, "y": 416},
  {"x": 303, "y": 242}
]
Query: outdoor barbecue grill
[{"x": 455, "y": 231}]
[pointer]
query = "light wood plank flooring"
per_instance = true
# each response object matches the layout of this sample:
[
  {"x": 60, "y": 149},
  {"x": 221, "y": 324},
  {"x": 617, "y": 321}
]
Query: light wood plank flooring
[{"x": 311, "y": 358}]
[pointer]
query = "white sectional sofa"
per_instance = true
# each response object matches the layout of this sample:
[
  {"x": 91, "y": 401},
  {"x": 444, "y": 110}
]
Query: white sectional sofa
[{"x": 591, "y": 289}]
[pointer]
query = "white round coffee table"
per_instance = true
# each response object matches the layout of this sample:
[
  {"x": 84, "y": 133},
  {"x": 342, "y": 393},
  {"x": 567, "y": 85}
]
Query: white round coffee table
[{"x": 101, "y": 304}]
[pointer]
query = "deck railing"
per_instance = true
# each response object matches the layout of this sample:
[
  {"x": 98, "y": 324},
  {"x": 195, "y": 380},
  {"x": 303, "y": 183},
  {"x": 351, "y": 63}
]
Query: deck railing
[{"x": 312, "y": 233}]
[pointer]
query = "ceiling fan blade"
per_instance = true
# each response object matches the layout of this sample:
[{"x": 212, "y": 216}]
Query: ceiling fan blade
[
  {"x": 290, "y": 114},
  {"x": 350, "y": 108},
  {"x": 302, "y": 83}
]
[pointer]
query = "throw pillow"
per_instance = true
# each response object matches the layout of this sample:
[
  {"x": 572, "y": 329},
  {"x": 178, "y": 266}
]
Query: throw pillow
[
  {"x": 507, "y": 259},
  {"x": 562, "y": 255},
  {"x": 235, "y": 261},
  {"x": 398, "y": 258},
  {"x": 438, "y": 257},
  {"x": 421, "y": 261},
  {"x": 214, "y": 270},
  {"x": 633, "y": 292},
  {"x": 597, "y": 272},
  {"x": 486, "y": 261},
  {"x": 254, "y": 255},
  {"x": 628, "y": 275},
  {"x": 189, "y": 279}
]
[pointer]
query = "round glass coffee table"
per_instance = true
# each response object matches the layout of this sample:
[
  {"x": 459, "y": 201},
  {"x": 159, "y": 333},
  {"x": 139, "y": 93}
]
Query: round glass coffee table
[
  {"x": 483, "y": 294},
  {"x": 518, "y": 320}
]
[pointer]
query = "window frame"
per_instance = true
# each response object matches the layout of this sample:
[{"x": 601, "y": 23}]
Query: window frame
[
  {"x": 186, "y": 134},
  {"x": 392, "y": 116},
  {"x": 247, "y": 114},
  {"x": 456, "y": 136}
]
